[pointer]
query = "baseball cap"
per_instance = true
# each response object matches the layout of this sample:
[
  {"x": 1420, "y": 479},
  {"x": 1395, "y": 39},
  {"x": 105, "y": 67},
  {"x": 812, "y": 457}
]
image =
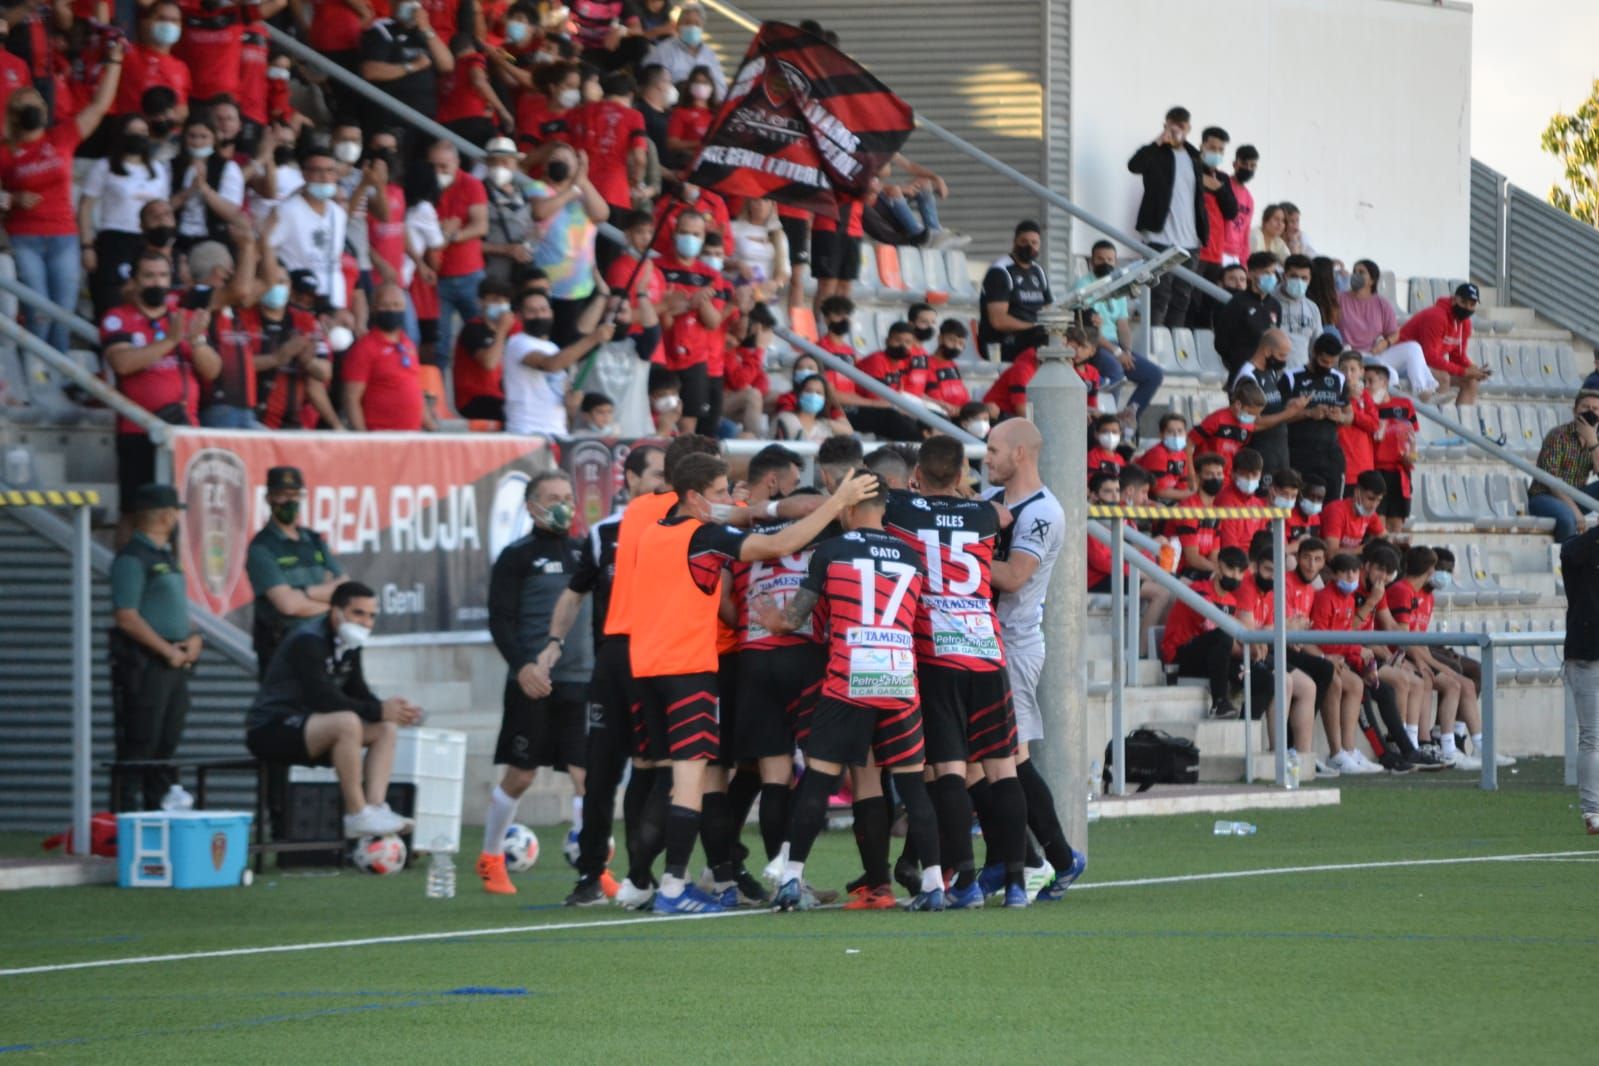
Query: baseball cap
[
  {"x": 154, "y": 498},
  {"x": 284, "y": 479},
  {"x": 1467, "y": 291}
]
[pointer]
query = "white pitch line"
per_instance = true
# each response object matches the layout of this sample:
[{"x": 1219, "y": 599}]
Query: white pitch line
[{"x": 412, "y": 938}]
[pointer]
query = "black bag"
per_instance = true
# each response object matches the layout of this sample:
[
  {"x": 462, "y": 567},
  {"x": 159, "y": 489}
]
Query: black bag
[{"x": 1155, "y": 757}]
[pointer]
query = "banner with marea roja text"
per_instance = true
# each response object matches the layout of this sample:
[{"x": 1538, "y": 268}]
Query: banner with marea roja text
[{"x": 419, "y": 517}]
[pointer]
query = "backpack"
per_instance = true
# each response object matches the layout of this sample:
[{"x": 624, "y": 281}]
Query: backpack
[{"x": 1155, "y": 757}]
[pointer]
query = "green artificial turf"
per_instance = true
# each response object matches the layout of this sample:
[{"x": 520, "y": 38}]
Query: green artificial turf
[{"x": 1458, "y": 963}]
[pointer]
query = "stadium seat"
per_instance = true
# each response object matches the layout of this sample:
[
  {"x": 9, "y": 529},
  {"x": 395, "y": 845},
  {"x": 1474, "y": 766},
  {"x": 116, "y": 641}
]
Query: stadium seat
[
  {"x": 1162, "y": 352},
  {"x": 937, "y": 268},
  {"x": 961, "y": 286},
  {"x": 1571, "y": 375},
  {"x": 1482, "y": 577},
  {"x": 803, "y": 321},
  {"x": 433, "y": 391},
  {"x": 1211, "y": 369},
  {"x": 888, "y": 273},
  {"x": 912, "y": 270},
  {"x": 1531, "y": 428},
  {"x": 1432, "y": 441},
  {"x": 1438, "y": 503},
  {"x": 869, "y": 285},
  {"x": 866, "y": 338}
]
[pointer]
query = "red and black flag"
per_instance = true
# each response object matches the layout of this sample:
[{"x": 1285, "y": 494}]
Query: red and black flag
[{"x": 802, "y": 122}]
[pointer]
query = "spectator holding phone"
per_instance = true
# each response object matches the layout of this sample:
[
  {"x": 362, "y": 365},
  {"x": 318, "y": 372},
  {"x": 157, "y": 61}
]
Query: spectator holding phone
[{"x": 1571, "y": 453}]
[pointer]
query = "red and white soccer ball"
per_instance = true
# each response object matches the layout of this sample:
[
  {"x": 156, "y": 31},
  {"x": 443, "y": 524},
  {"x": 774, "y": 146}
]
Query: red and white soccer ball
[
  {"x": 380, "y": 855},
  {"x": 521, "y": 848}
]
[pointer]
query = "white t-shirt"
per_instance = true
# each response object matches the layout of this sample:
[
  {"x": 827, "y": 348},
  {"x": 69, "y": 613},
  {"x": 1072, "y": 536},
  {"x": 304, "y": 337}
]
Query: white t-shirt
[
  {"x": 120, "y": 197},
  {"x": 422, "y": 232},
  {"x": 230, "y": 186},
  {"x": 752, "y": 246},
  {"x": 306, "y": 240},
  {"x": 535, "y": 400},
  {"x": 287, "y": 180},
  {"x": 1039, "y": 530}
]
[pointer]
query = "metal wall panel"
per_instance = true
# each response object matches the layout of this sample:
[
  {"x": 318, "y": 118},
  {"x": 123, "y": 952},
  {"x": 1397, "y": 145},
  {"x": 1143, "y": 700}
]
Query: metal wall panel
[
  {"x": 1552, "y": 260},
  {"x": 1487, "y": 191}
]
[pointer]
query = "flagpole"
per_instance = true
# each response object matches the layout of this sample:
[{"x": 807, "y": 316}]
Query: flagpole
[{"x": 658, "y": 217}]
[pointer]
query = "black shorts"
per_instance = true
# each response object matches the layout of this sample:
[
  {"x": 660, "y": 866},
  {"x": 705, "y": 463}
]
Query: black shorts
[
  {"x": 675, "y": 717},
  {"x": 967, "y": 713},
  {"x": 135, "y": 465},
  {"x": 694, "y": 389},
  {"x": 1395, "y": 501},
  {"x": 727, "y": 716},
  {"x": 611, "y": 690},
  {"x": 847, "y": 733},
  {"x": 798, "y": 232},
  {"x": 546, "y": 732},
  {"x": 835, "y": 256},
  {"x": 778, "y": 690},
  {"x": 282, "y": 741}
]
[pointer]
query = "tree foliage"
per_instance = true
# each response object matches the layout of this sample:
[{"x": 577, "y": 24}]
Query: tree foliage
[{"x": 1574, "y": 140}]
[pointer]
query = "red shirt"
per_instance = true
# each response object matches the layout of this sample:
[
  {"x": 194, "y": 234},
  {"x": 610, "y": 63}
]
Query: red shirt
[
  {"x": 1201, "y": 534},
  {"x": 649, "y": 283},
  {"x": 169, "y": 380},
  {"x": 387, "y": 238},
  {"x": 1256, "y": 602},
  {"x": 458, "y": 97},
  {"x": 254, "y": 86},
  {"x": 1397, "y": 418},
  {"x": 1334, "y": 611},
  {"x": 14, "y": 75},
  {"x": 1343, "y": 529},
  {"x": 842, "y": 386},
  {"x": 443, "y": 16},
  {"x": 610, "y": 133},
  {"x": 1170, "y": 468},
  {"x": 464, "y": 193},
  {"x": 210, "y": 48},
  {"x": 44, "y": 167},
  {"x": 853, "y": 211},
  {"x": 689, "y": 123},
  {"x": 884, "y": 369},
  {"x": 1090, "y": 375},
  {"x": 1238, "y": 532},
  {"x": 1222, "y": 433},
  {"x": 1102, "y": 462},
  {"x": 1403, "y": 601},
  {"x": 746, "y": 368},
  {"x": 335, "y": 27},
  {"x": 1354, "y": 440},
  {"x": 1009, "y": 390},
  {"x": 1444, "y": 339},
  {"x": 537, "y": 123},
  {"x": 1421, "y": 615},
  {"x": 689, "y": 342},
  {"x": 712, "y": 206},
  {"x": 393, "y": 377},
  {"x": 143, "y": 68},
  {"x": 1184, "y": 623},
  {"x": 943, "y": 382},
  {"x": 1301, "y": 596},
  {"x": 472, "y": 378}
]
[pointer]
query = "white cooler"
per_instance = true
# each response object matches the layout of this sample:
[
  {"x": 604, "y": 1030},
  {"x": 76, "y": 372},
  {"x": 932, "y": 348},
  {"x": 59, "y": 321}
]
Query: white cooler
[{"x": 434, "y": 760}]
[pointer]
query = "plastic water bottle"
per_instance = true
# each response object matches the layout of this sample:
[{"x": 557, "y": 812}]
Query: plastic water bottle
[
  {"x": 1093, "y": 792},
  {"x": 1234, "y": 829},
  {"x": 1293, "y": 770},
  {"x": 441, "y": 870}
]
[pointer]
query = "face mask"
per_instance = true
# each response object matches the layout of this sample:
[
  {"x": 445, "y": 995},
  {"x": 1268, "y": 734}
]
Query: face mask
[
  {"x": 896, "y": 352},
  {"x": 1213, "y": 160},
  {"x": 1296, "y": 288},
  {"x": 286, "y": 512},
  {"x": 838, "y": 327},
  {"x": 1267, "y": 283},
  {"x": 538, "y": 327},
  {"x": 1104, "y": 270},
  {"x": 950, "y": 353},
  {"x": 1264, "y": 584},
  {"x": 692, "y": 35},
  {"x": 1022, "y": 253},
  {"x": 444, "y": 180},
  {"x": 557, "y": 517},
  {"x": 1210, "y": 486},
  {"x": 1274, "y": 364},
  {"x": 352, "y": 635},
  {"x": 663, "y": 404},
  {"x": 691, "y": 194},
  {"x": 166, "y": 34},
  {"x": 202, "y": 152},
  {"x": 388, "y": 321},
  {"x": 1312, "y": 508},
  {"x": 160, "y": 236},
  {"x": 812, "y": 402},
  {"x": 500, "y": 176},
  {"x": 1247, "y": 485},
  {"x": 688, "y": 245},
  {"x": 275, "y": 298},
  {"x": 153, "y": 295},
  {"x": 321, "y": 190},
  {"x": 1246, "y": 419},
  {"x": 406, "y": 12},
  {"x": 1228, "y": 584},
  {"x": 700, "y": 91},
  {"x": 1243, "y": 174},
  {"x": 713, "y": 261},
  {"x": 277, "y": 73},
  {"x": 1442, "y": 580},
  {"x": 347, "y": 152},
  {"x": 569, "y": 98},
  {"x": 1109, "y": 441},
  {"x": 492, "y": 312},
  {"x": 340, "y": 338},
  {"x": 1347, "y": 587},
  {"x": 517, "y": 32},
  {"x": 923, "y": 334},
  {"x": 1461, "y": 313},
  {"x": 672, "y": 96},
  {"x": 1363, "y": 511},
  {"x": 978, "y": 429},
  {"x": 558, "y": 170},
  {"x": 1357, "y": 282},
  {"x": 1282, "y": 503}
]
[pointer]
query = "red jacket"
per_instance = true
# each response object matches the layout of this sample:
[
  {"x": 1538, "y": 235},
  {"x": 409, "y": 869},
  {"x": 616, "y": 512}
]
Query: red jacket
[
  {"x": 1184, "y": 623},
  {"x": 1344, "y": 530},
  {"x": 1444, "y": 339},
  {"x": 1222, "y": 433},
  {"x": 1354, "y": 440}
]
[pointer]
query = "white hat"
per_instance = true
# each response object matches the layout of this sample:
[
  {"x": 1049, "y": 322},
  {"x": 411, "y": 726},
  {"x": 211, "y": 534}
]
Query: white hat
[{"x": 502, "y": 146}]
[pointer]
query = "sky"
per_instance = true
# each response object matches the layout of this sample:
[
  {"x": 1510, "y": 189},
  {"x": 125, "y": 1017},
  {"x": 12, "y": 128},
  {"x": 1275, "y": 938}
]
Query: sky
[{"x": 1530, "y": 59}]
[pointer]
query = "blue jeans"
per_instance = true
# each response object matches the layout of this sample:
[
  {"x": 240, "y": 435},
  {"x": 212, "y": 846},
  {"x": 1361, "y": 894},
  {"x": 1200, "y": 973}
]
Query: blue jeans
[
  {"x": 456, "y": 294},
  {"x": 49, "y": 266},
  {"x": 899, "y": 208},
  {"x": 1145, "y": 376},
  {"x": 1546, "y": 505},
  {"x": 226, "y": 416}
]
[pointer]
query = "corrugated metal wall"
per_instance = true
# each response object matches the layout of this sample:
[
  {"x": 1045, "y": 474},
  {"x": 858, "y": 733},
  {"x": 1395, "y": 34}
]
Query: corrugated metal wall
[
  {"x": 36, "y": 691},
  {"x": 1551, "y": 259},
  {"x": 1487, "y": 186},
  {"x": 977, "y": 69}
]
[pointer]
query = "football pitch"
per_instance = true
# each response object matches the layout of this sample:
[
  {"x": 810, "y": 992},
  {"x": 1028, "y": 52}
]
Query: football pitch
[{"x": 1421, "y": 921}]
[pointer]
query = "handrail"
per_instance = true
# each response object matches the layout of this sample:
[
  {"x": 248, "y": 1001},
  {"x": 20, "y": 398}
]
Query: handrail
[
  {"x": 1043, "y": 192},
  {"x": 925, "y": 415},
  {"x": 1482, "y": 443},
  {"x": 73, "y": 321},
  {"x": 158, "y": 430}
]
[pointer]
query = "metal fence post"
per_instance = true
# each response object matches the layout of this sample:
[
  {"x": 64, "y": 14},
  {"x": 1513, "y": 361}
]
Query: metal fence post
[
  {"x": 1503, "y": 279},
  {"x": 1279, "y": 648},
  {"x": 82, "y": 690},
  {"x": 1118, "y": 656},
  {"x": 1249, "y": 713},
  {"x": 1490, "y": 679},
  {"x": 1135, "y": 621},
  {"x": 1147, "y": 326},
  {"x": 1571, "y": 737}
]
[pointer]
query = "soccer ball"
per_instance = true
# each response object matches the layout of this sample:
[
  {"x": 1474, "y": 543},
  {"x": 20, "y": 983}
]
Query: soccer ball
[
  {"x": 571, "y": 850},
  {"x": 521, "y": 848},
  {"x": 380, "y": 855}
]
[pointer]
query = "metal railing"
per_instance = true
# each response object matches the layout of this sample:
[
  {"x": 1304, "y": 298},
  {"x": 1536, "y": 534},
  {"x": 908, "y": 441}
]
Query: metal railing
[
  {"x": 75, "y": 323},
  {"x": 158, "y": 430},
  {"x": 1494, "y": 450}
]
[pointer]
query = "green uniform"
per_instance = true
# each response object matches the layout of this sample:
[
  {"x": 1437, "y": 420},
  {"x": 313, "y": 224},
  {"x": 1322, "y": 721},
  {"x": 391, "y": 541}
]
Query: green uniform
[
  {"x": 276, "y": 559},
  {"x": 150, "y": 699}
]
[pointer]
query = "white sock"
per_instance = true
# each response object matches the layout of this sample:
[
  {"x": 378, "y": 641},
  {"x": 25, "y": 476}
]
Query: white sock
[
  {"x": 1447, "y": 743},
  {"x": 1476, "y": 743},
  {"x": 1413, "y": 732},
  {"x": 932, "y": 877},
  {"x": 577, "y": 812},
  {"x": 502, "y": 811},
  {"x": 672, "y": 886},
  {"x": 792, "y": 871},
  {"x": 782, "y": 856}
]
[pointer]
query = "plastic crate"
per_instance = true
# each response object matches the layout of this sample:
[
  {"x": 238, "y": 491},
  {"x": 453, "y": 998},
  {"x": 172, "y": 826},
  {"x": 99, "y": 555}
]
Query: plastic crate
[
  {"x": 182, "y": 849},
  {"x": 434, "y": 760}
]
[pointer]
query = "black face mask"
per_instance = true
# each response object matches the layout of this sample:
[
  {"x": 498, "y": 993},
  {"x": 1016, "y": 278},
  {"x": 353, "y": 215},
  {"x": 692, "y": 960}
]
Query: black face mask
[
  {"x": 1243, "y": 174},
  {"x": 1460, "y": 313},
  {"x": 1104, "y": 270},
  {"x": 557, "y": 170},
  {"x": 838, "y": 328},
  {"x": 286, "y": 512},
  {"x": 135, "y": 144},
  {"x": 950, "y": 353},
  {"x": 896, "y": 351},
  {"x": 924, "y": 333},
  {"x": 160, "y": 236},
  {"x": 1227, "y": 584},
  {"x": 153, "y": 296},
  {"x": 1022, "y": 253},
  {"x": 30, "y": 118},
  {"x": 538, "y": 327},
  {"x": 388, "y": 321},
  {"x": 160, "y": 128},
  {"x": 1210, "y": 486},
  {"x": 1274, "y": 364},
  {"x": 1264, "y": 584},
  {"x": 283, "y": 155}
]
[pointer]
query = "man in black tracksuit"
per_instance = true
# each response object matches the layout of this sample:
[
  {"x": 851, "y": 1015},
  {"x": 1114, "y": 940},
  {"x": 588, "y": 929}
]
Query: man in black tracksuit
[{"x": 1313, "y": 441}]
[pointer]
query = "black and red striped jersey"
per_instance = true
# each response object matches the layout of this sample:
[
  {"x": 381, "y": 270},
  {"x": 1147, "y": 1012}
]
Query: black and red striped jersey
[
  {"x": 710, "y": 551},
  {"x": 954, "y": 536},
  {"x": 868, "y": 584},
  {"x": 777, "y": 578}
]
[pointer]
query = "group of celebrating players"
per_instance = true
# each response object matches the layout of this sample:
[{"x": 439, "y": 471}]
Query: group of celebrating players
[{"x": 887, "y": 625}]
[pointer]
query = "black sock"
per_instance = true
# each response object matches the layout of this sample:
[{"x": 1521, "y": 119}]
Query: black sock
[
  {"x": 921, "y": 822},
  {"x": 1041, "y": 817},
  {"x": 871, "y": 837},
  {"x": 807, "y": 811},
  {"x": 682, "y": 828},
  {"x": 953, "y": 807},
  {"x": 741, "y": 793},
  {"x": 716, "y": 834},
  {"x": 1009, "y": 814},
  {"x": 635, "y": 800},
  {"x": 599, "y": 807},
  {"x": 982, "y": 804},
  {"x": 907, "y": 854},
  {"x": 774, "y": 818},
  {"x": 1035, "y": 859}
]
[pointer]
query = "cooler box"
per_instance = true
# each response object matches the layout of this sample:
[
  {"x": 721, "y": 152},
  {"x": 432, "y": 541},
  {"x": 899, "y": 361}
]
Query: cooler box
[
  {"x": 182, "y": 849},
  {"x": 434, "y": 760}
]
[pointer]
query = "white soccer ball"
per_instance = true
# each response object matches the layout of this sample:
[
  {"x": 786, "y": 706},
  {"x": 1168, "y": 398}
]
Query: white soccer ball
[
  {"x": 571, "y": 850},
  {"x": 380, "y": 855},
  {"x": 521, "y": 848}
]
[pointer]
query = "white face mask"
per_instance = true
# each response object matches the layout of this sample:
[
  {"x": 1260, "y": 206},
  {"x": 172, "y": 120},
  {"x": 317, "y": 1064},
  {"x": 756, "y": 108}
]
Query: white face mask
[
  {"x": 700, "y": 91},
  {"x": 500, "y": 176},
  {"x": 340, "y": 338},
  {"x": 1110, "y": 441},
  {"x": 569, "y": 98},
  {"x": 1177, "y": 442},
  {"x": 1246, "y": 419},
  {"x": 672, "y": 96},
  {"x": 978, "y": 428},
  {"x": 445, "y": 180},
  {"x": 664, "y": 404},
  {"x": 1310, "y": 507},
  {"x": 1282, "y": 503},
  {"x": 1246, "y": 485},
  {"x": 347, "y": 152},
  {"x": 353, "y": 635}
]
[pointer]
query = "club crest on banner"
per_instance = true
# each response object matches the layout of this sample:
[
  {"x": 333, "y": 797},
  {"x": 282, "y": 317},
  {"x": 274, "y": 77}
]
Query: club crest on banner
[{"x": 215, "y": 536}]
